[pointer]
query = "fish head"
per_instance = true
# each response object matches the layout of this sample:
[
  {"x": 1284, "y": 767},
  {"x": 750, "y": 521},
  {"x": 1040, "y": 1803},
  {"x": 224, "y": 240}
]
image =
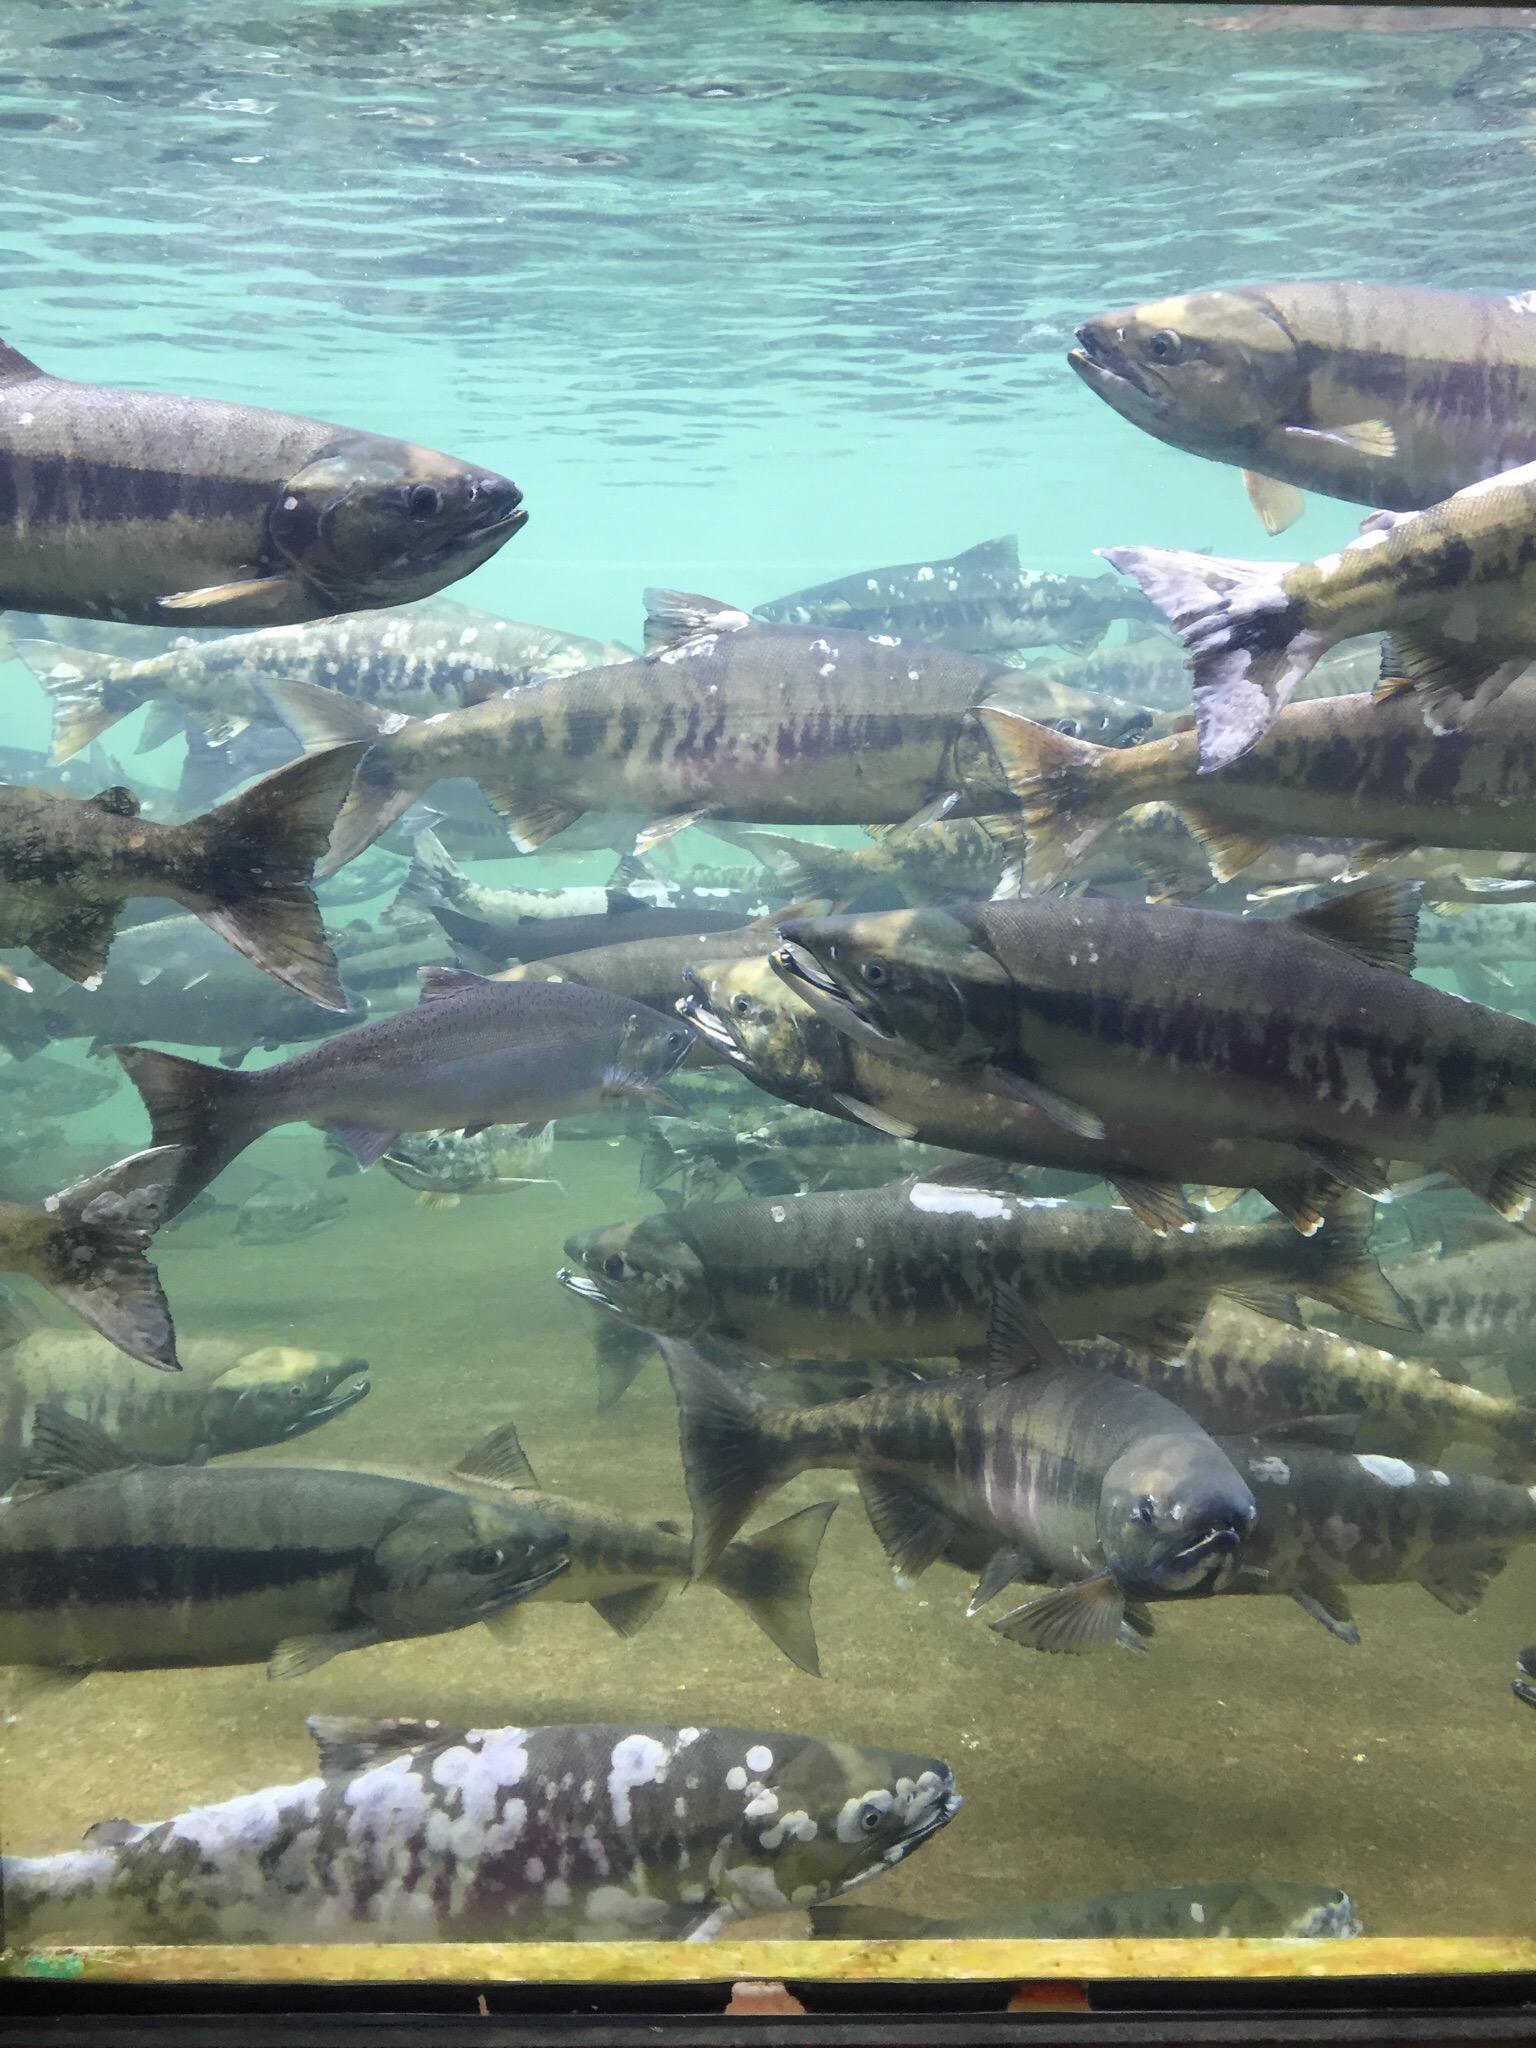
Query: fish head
[
  {"x": 649, "y": 1046},
  {"x": 1174, "y": 1516},
  {"x": 374, "y": 521},
  {"x": 456, "y": 1559},
  {"x": 900, "y": 981},
  {"x": 747, "y": 1012},
  {"x": 818, "y": 1817},
  {"x": 1210, "y": 372},
  {"x": 279, "y": 1392},
  {"x": 644, "y": 1271}
]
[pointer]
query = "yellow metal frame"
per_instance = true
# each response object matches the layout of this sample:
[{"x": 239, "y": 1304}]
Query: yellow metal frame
[{"x": 660, "y": 1962}]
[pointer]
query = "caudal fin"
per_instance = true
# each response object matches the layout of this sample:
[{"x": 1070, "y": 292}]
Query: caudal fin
[
  {"x": 211, "y": 1113},
  {"x": 1069, "y": 790},
  {"x": 769, "y": 1577},
  {"x": 433, "y": 879},
  {"x": 730, "y": 1462},
  {"x": 259, "y": 852},
  {"x": 322, "y": 719},
  {"x": 804, "y": 867},
  {"x": 91, "y": 1254},
  {"x": 1243, "y": 633},
  {"x": 88, "y": 692}
]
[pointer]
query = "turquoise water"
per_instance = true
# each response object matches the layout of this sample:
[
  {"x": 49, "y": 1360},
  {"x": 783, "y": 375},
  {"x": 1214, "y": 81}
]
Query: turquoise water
[{"x": 746, "y": 298}]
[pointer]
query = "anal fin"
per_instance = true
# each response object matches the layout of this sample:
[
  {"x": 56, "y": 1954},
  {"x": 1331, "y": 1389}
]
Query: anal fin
[{"x": 1277, "y": 504}]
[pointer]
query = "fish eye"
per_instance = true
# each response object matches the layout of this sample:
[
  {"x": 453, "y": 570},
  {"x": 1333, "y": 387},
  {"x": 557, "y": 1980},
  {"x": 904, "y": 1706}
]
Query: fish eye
[
  {"x": 1145, "y": 1510},
  {"x": 613, "y": 1266},
  {"x": 1165, "y": 346},
  {"x": 676, "y": 1038},
  {"x": 874, "y": 973},
  {"x": 870, "y": 1818},
  {"x": 741, "y": 1005},
  {"x": 483, "y": 1562},
  {"x": 425, "y": 501}
]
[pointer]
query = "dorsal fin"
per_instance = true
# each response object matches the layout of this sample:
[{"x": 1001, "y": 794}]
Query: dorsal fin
[
  {"x": 1378, "y": 924},
  {"x": 66, "y": 1448},
  {"x": 437, "y": 982},
  {"x": 15, "y": 368},
  {"x": 117, "y": 802},
  {"x": 353, "y": 1742},
  {"x": 500, "y": 1457},
  {"x": 1000, "y": 554},
  {"x": 674, "y": 617}
]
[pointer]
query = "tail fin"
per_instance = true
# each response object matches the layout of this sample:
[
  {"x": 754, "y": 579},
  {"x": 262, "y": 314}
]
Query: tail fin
[
  {"x": 1242, "y": 631},
  {"x": 769, "y": 1577},
  {"x": 212, "y": 1113},
  {"x": 324, "y": 718},
  {"x": 260, "y": 850},
  {"x": 1068, "y": 789},
  {"x": 91, "y": 1254},
  {"x": 1337, "y": 1265},
  {"x": 803, "y": 866},
  {"x": 730, "y": 1461},
  {"x": 434, "y": 878},
  {"x": 88, "y": 692}
]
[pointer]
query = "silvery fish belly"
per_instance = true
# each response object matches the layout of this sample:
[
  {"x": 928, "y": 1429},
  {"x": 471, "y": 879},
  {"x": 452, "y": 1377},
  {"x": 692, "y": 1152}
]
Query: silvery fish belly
[{"x": 416, "y": 1831}]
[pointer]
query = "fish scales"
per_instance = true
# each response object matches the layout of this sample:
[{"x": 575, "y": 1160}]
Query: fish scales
[
  {"x": 136, "y": 1567},
  {"x": 114, "y": 502},
  {"x": 916, "y": 1268},
  {"x": 728, "y": 716},
  {"x": 586, "y": 1832},
  {"x": 1403, "y": 786},
  {"x": 1283, "y": 1028},
  {"x": 1280, "y": 378},
  {"x": 1246, "y": 1373}
]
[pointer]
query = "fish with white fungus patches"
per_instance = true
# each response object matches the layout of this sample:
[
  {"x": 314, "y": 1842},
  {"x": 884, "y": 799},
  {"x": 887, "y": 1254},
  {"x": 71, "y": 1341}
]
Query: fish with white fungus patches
[
  {"x": 1185, "y": 1912},
  {"x": 418, "y": 1831}
]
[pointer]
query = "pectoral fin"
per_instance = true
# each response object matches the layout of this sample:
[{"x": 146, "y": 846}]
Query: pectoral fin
[
  {"x": 877, "y": 1119},
  {"x": 1327, "y": 1604},
  {"x": 271, "y": 598},
  {"x": 1454, "y": 679},
  {"x": 1074, "y": 1621},
  {"x": 1278, "y": 505},
  {"x": 1071, "y": 1116},
  {"x": 531, "y": 823},
  {"x": 296, "y": 1656}
]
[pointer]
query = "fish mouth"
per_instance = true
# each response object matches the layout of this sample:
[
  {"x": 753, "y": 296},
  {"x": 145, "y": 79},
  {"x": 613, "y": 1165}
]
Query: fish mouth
[
  {"x": 828, "y": 997},
  {"x": 1098, "y": 367},
  {"x": 1210, "y": 1558},
  {"x": 506, "y": 523},
  {"x": 509, "y": 1591},
  {"x": 354, "y": 1387},
  {"x": 698, "y": 1013},
  {"x": 585, "y": 1289}
]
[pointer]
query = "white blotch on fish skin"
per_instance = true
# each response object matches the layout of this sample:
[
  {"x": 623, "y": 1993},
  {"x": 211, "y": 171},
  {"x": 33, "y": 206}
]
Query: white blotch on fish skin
[
  {"x": 883, "y": 640},
  {"x": 760, "y": 1807},
  {"x": 637, "y": 1760},
  {"x": 912, "y": 675},
  {"x": 1390, "y": 1471},
  {"x": 807, "y": 1894},
  {"x": 1440, "y": 1478},
  {"x": 1273, "y": 1469},
  {"x": 469, "y": 636},
  {"x": 557, "y": 1892},
  {"x": 735, "y": 1779},
  {"x": 797, "y": 1824},
  {"x": 597, "y": 1855},
  {"x": 679, "y": 1808},
  {"x": 777, "y": 1212},
  {"x": 934, "y": 1200},
  {"x": 1377, "y": 537},
  {"x": 1197, "y": 1913},
  {"x": 623, "y": 1911},
  {"x": 759, "y": 1758},
  {"x": 871, "y": 583},
  {"x": 533, "y": 1870},
  {"x": 290, "y": 504},
  {"x": 828, "y": 668},
  {"x": 753, "y": 1886},
  {"x": 924, "y": 575},
  {"x": 1328, "y": 565}
]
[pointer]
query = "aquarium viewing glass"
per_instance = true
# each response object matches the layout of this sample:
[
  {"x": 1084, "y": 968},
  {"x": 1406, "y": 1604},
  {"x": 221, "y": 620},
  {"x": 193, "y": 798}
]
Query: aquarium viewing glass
[{"x": 709, "y": 548}]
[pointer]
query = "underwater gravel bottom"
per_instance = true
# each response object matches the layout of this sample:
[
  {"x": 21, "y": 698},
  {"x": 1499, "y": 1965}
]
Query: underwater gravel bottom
[{"x": 1250, "y": 1744}]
